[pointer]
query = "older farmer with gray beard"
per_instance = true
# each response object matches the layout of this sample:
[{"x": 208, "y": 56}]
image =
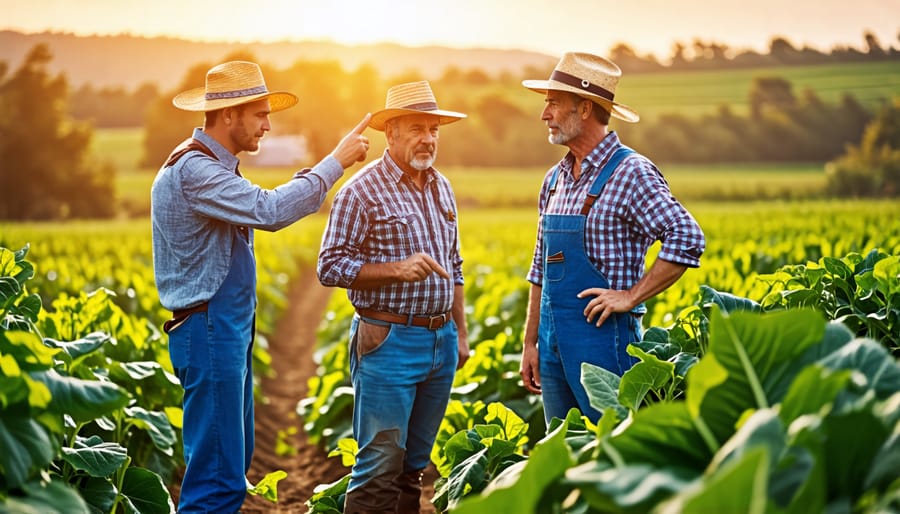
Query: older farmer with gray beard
[
  {"x": 392, "y": 241},
  {"x": 601, "y": 208}
]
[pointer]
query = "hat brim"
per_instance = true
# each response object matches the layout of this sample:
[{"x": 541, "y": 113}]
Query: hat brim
[
  {"x": 380, "y": 117},
  {"x": 195, "y": 100},
  {"x": 620, "y": 111}
]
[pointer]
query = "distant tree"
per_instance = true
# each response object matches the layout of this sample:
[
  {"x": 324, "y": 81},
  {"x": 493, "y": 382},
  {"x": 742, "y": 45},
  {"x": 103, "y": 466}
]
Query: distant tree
[
  {"x": 774, "y": 92},
  {"x": 164, "y": 125},
  {"x": 873, "y": 47},
  {"x": 872, "y": 168},
  {"x": 47, "y": 170}
]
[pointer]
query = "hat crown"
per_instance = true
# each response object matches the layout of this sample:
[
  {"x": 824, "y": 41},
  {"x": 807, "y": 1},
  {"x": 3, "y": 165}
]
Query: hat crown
[
  {"x": 411, "y": 95},
  {"x": 594, "y": 69},
  {"x": 238, "y": 78}
]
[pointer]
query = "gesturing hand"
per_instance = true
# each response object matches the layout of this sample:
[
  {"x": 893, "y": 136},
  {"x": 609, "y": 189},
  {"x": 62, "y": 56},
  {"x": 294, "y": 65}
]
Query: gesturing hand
[
  {"x": 354, "y": 146},
  {"x": 417, "y": 267}
]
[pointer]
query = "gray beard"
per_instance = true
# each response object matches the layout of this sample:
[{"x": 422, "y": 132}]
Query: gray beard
[{"x": 421, "y": 164}]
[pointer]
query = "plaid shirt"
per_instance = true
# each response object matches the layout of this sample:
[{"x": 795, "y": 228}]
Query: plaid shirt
[
  {"x": 634, "y": 210},
  {"x": 379, "y": 216}
]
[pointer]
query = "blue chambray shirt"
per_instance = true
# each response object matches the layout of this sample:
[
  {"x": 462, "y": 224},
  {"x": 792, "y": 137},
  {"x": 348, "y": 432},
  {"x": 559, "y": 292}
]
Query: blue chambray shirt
[{"x": 195, "y": 205}]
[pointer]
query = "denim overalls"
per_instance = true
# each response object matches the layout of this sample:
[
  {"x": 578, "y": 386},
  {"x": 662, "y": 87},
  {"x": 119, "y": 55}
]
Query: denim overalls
[
  {"x": 212, "y": 355},
  {"x": 565, "y": 338}
]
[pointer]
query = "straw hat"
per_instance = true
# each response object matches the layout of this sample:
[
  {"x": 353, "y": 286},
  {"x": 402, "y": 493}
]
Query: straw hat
[
  {"x": 588, "y": 76},
  {"x": 411, "y": 98},
  {"x": 229, "y": 84}
]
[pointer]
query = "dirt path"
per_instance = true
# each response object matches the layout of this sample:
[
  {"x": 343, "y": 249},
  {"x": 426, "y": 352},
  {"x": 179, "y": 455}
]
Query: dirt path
[{"x": 291, "y": 348}]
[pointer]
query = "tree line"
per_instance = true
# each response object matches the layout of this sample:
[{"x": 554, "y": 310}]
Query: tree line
[{"x": 48, "y": 173}]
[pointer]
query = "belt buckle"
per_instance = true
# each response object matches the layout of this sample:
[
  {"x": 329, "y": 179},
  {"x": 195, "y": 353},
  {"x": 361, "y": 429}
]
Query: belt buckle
[{"x": 440, "y": 318}]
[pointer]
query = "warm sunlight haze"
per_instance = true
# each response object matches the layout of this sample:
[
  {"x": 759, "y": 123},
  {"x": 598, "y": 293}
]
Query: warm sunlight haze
[{"x": 648, "y": 26}]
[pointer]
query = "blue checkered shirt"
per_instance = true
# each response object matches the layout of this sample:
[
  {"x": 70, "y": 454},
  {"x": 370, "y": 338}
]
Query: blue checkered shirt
[
  {"x": 634, "y": 210},
  {"x": 380, "y": 216}
]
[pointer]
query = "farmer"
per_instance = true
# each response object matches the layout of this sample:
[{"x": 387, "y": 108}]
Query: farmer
[
  {"x": 392, "y": 241},
  {"x": 203, "y": 214},
  {"x": 601, "y": 207}
]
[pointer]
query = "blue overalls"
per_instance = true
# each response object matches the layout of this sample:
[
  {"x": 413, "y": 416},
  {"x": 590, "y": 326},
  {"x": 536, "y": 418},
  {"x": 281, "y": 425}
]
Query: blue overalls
[
  {"x": 565, "y": 338},
  {"x": 212, "y": 355}
]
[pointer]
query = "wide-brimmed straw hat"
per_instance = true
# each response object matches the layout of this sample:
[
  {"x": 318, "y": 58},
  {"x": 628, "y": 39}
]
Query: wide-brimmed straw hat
[
  {"x": 588, "y": 76},
  {"x": 229, "y": 84},
  {"x": 411, "y": 98}
]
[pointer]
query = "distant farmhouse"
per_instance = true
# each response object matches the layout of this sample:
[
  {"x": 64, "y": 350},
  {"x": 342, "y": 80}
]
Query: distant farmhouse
[{"x": 276, "y": 151}]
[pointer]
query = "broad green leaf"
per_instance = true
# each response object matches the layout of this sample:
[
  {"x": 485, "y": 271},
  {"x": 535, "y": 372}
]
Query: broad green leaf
[
  {"x": 660, "y": 435},
  {"x": 469, "y": 476},
  {"x": 739, "y": 487},
  {"x": 514, "y": 429},
  {"x": 885, "y": 464},
  {"x": 27, "y": 349},
  {"x": 95, "y": 456},
  {"x": 852, "y": 442},
  {"x": 328, "y": 498},
  {"x": 873, "y": 360},
  {"x": 55, "y": 497},
  {"x": 84, "y": 400},
  {"x": 146, "y": 492},
  {"x": 83, "y": 346},
  {"x": 9, "y": 291},
  {"x": 347, "y": 449},
  {"x": 630, "y": 488},
  {"x": 156, "y": 424},
  {"x": 887, "y": 272},
  {"x": 647, "y": 375},
  {"x": 519, "y": 488},
  {"x": 268, "y": 486},
  {"x": 747, "y": 347},
  {"x": 727, "y": 302},
  {"x": 30, "y": 306},
  {"x": 27, "y": 447},
  {"x": 602, "y": 388},
  {"x": 99, "y": 493},
  {"x": 813, "y": 389}
]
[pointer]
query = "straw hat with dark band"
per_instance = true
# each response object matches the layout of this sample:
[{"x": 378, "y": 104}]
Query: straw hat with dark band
[
  {"x": 411, "y": 98},
  {"x": 588, "y": 76},
  {"x": 229, "y": 84}
]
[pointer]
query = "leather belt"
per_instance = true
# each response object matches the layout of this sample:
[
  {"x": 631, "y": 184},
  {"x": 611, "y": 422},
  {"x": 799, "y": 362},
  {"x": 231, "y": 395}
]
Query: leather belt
[
  {"x": 430, "y": 322},
  {"x": 180, "y": 315}
]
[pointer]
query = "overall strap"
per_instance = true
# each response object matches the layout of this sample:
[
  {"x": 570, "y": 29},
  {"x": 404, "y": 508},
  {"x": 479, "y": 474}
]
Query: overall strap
[
  {"x": 608, "y": 168},
  {"x": 188, "y": 145},
  {"x": 553, "y": 179}
]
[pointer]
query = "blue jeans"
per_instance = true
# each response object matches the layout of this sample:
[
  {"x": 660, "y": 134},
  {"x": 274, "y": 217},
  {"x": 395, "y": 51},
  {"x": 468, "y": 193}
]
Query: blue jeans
[
  {"x": 212, "y": 356},
  {"x": 401, "y": 389}
]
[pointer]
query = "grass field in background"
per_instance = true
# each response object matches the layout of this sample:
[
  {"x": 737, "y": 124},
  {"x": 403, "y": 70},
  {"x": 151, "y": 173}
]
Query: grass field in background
[{"x": 497, "y": 187}]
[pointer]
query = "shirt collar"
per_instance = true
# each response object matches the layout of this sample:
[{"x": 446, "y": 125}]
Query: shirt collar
[
  {"x": 228, "y": 159},
  {"x": 597, "y": 156},
  {"x": 396, "y": 174}
]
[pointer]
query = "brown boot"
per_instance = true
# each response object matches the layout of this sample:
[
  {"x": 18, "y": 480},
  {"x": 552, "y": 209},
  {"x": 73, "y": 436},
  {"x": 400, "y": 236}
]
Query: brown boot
[
  {"x": 410, "y": 485},
  {"x": 361, "y": 501}
]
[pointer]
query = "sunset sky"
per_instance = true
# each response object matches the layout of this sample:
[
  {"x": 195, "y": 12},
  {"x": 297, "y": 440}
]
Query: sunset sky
[{"x": 546, "y": 26}]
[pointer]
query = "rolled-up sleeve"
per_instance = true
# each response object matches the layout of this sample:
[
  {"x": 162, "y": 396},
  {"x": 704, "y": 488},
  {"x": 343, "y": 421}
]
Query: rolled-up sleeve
[
  {"x": 219, "y": 194},
  {"x": 663, "y": 218},
  {"x": 339, "y": 257}
]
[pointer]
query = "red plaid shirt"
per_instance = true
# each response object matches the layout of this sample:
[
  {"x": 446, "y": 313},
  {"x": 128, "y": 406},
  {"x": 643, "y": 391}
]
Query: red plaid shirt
[{"x": 634, "y": 210}]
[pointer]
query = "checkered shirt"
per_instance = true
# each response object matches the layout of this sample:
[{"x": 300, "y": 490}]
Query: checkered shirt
[
  {"x": 380, "y": 216},
  {"x": 634, "y": 210}
]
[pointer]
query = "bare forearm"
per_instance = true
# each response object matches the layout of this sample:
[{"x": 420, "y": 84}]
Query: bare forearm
[
  {"x": 533, "y": 317},
  {"x": 459, "y": 311},
  {"x": 661, "y": 276}
]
